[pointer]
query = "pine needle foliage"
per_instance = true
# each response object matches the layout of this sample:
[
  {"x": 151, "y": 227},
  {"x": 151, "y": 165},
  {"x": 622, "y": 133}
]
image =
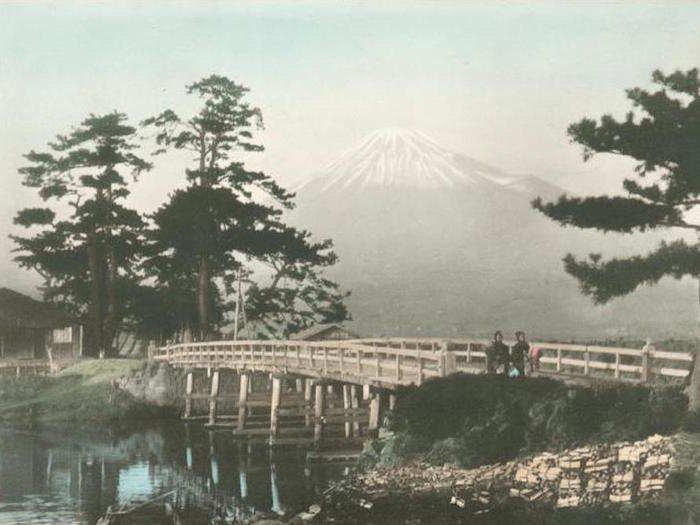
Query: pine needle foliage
[{"x": 662, "y": 134}]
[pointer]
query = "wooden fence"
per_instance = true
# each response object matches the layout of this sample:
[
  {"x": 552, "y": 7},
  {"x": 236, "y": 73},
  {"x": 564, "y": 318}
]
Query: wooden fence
[{"x": 23, "y": 367}]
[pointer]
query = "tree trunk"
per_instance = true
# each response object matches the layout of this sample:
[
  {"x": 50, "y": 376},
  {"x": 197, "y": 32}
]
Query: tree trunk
[
  {"x": 94, "y": 333},
  {"x": 204, "y": 270},
  {"x": 203, "y": 298},
  {"x": 694, "y": 386},
  {"x": 112, "y": 316}
]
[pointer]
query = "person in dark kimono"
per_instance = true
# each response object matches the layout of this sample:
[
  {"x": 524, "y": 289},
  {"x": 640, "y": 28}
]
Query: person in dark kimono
[
  {"x": 497, "y": 355},
  {"x": 520, "y": 351}
]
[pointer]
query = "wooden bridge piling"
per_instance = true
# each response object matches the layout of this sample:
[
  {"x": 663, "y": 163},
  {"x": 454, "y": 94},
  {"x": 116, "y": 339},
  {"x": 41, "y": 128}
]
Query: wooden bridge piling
[
  {"x": 189, "y": 387},
  {"x": 243, "y": 400},
  {"x": 213, "y": 397},
  {"x": 347, "y": 405},
  {"x": 374, "y": 412},
  {"x": 331, "y": 396},
  {"x": 308, "y": 386},
  {"x": 365, "y": 391},
  {"x": 319, "y": 406},
  {"x": 355, "y": 404},
  {"x": 275, "y": 407}
]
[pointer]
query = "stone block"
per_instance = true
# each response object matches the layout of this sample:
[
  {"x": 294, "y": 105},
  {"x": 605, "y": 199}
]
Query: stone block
[
  {"x": 571, "y": 501},
  {"x": 569, "y": 464},
  {"x": 652, "y": 484},
  {"x": 569, "y": 484},
  {"x": 596, "y": 485},
  {"x": 521, "y": 474},
  {"x": 553, "y": 474},
  {"x": 619, "y": 498}
]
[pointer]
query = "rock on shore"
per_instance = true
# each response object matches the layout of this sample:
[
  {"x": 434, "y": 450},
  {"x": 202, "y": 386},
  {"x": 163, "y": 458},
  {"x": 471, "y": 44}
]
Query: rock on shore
[{"x": 156, "y": 384}]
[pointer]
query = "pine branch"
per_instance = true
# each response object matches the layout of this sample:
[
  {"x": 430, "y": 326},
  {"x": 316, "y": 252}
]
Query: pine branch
[
  {"x": 621, "y": 276},
  {"x": 619, "y": 214}
]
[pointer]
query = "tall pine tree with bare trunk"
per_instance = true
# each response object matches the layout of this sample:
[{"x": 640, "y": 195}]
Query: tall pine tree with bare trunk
[
  {"x": 228, "y": 215},
  {"x": 86, "y": 246}
]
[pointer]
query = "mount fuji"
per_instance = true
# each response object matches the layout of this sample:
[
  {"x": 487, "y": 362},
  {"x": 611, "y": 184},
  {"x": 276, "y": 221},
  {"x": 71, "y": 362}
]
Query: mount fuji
[
  {"x": 433, "y": 242},
  {"x": 405, "y": 158}
]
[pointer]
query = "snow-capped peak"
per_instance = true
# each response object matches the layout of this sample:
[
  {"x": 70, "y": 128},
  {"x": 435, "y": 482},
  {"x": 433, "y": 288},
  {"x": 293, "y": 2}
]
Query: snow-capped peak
[
  {"x": 405, "y": 158},
  {"x": 398, "y": 157}
]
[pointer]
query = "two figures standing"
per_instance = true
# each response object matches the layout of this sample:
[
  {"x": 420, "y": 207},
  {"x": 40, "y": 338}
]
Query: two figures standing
[{"x": 508, "y": 362}]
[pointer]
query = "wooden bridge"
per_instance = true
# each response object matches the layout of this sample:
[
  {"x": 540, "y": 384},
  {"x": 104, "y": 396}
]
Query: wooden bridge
[{"x": 305, "y": 379}]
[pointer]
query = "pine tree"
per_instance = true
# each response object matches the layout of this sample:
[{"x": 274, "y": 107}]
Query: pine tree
[
  {"x": 663, "y": 137},
  {"x": 87, "y": 257},
  {"x": 228, "y": 215}
]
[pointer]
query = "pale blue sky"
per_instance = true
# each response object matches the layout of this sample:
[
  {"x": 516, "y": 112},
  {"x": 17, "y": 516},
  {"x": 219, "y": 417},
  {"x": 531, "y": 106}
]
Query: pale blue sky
[{"x": 497, "y": 81}]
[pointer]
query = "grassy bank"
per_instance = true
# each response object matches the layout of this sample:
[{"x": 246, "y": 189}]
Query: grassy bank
[
  {"x": 476, "y": 420},
  {"x": 82, "y": 393}
]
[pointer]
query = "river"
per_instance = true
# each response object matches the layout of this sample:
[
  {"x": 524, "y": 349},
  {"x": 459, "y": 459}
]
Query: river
[{"x": 72, "y": 476}]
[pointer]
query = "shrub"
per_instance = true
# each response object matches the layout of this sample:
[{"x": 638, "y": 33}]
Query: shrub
[{"x": 483, "y": 419}]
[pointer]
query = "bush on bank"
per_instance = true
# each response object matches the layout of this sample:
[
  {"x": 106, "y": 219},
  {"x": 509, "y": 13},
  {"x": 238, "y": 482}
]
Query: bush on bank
[{"x": 485, "y": 419}]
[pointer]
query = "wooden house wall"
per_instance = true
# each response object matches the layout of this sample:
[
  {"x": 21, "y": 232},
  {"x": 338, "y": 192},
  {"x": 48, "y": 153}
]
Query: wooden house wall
[
  {"x": 62, "y": 349},
  {"x": 23, "y": 343}
]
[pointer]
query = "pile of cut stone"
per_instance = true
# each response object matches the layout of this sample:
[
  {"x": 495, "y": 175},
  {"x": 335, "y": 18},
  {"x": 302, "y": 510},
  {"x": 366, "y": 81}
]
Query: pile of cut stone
[
  {"x": 583, "y": 476},
  {"x": 592, "y": 475}
]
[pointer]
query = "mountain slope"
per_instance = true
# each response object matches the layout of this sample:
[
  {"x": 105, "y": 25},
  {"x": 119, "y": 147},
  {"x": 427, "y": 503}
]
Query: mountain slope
[{"x": 434, "y": 242}]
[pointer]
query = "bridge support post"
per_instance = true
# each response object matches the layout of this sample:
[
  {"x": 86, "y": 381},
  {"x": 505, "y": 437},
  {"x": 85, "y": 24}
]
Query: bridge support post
[
  {"x": 365, "y": 392},
  {"x": 392, "y": 401},
  {"x": 318, "y": 413},
  {"x": 374, "y": 412},
  {"x": 448, "y": 364},
  {"x": 645, "y": 361},
  {"x": 308, "y": 385},
  {"x": 694, "y": 385},
  {"x": 346, "y": 408},
  {"x": 331, "y": 396},
  {"x": 420, "y": 368},
  {"x": 355, "y": 406},
  {"x": 275, "y": 408},
  {"x": 242, "y": 401},
  {"x": 189, "y": 387},
  {"x": 299, "y": 385},
  {"x": 214, "y": 394}
]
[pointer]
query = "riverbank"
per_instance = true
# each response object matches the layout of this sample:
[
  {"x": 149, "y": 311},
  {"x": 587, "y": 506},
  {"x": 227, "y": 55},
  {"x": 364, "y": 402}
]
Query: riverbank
[
  {"x": 92, "y": 390},
  {"x": 653, "y": 481},
  {"x": 490, "y": 449},
  {"x": 472, "y": 420}
]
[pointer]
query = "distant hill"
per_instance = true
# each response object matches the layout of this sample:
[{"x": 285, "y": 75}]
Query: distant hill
[{"x": 435, "y": 242}]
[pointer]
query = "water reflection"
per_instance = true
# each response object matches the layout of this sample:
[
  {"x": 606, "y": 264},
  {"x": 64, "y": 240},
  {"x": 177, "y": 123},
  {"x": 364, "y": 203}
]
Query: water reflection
[{"x": 66, "y": 476}]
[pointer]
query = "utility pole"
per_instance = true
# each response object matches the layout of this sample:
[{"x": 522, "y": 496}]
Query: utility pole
[{"x": 240, "y": 307}]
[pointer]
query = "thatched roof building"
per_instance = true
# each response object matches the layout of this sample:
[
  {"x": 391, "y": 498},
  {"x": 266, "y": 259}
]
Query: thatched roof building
[
  {"x": 324, "y": 332},
  {"x": 28, "y": 326},
  {"x": 19, "y": 310}
]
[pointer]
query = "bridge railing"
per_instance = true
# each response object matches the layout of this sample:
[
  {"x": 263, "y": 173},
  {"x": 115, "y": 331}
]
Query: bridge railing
[
  {"x": 400, "y": 361},
  {"x": 349, "y": 360},
  {"x": 630, "y": 364}
]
